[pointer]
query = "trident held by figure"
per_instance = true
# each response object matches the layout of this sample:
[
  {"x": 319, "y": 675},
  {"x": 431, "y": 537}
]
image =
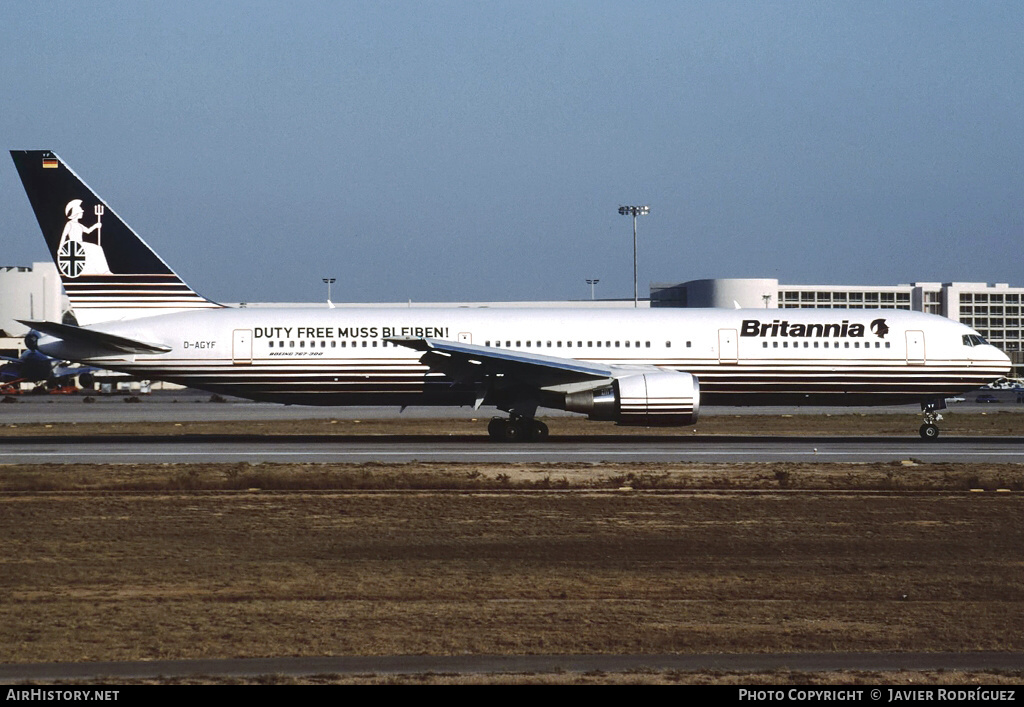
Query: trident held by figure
[{"x": 98, "y": 210}]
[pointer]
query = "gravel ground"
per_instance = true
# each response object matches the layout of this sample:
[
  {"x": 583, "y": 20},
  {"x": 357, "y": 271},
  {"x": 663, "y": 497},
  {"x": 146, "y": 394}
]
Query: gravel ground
[{"x": 174, "y": 561}]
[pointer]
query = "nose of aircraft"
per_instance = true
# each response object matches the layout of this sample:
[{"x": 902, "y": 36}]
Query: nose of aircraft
[{"x": 991, "y": 354}]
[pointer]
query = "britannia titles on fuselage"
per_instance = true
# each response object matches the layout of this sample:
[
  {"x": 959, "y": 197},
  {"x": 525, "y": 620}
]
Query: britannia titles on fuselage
[{"x": 776, "y": 327}]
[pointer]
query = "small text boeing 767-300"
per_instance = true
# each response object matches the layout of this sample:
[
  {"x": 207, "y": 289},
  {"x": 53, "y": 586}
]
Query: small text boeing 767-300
[{"x": 637, "y": 367}]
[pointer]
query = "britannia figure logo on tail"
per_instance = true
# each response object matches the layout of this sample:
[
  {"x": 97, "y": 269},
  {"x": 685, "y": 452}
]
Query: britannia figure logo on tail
[{"x": 81, "y": 249}]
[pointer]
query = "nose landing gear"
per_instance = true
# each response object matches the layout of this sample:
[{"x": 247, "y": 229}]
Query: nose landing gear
[{"x": 929, "y": 429}]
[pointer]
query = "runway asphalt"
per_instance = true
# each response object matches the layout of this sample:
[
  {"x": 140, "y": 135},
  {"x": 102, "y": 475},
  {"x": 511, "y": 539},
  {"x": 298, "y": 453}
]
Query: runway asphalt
[{"x": 386, "y": 448}]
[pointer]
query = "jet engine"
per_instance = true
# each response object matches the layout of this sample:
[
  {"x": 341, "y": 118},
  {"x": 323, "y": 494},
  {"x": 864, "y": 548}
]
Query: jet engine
[{"x": 660, "y": 398}]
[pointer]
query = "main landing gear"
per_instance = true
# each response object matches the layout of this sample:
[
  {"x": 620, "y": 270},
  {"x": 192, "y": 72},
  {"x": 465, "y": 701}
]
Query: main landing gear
[
  {"x": 517, "y": 429},
  {"x": 929, "y": 429}
]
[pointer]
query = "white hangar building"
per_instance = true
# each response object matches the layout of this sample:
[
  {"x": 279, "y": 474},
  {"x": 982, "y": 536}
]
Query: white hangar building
[{"x": 27, "y": 293}]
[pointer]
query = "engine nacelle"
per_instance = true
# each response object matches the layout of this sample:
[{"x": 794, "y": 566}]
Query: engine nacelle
[{"x": 662, "y": 398}]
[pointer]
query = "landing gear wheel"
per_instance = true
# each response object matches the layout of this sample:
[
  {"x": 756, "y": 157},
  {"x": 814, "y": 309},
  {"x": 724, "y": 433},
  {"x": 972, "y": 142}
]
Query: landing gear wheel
[
  {"x": 929, "y": 431},
  {"x": 494, "y": 427},
  {"x": 538, "y": 431},
  {"x": 506, "y": 430}
]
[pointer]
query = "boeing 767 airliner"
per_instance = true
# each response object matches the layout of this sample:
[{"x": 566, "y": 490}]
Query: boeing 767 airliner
[{"x": 637, "y": 367}]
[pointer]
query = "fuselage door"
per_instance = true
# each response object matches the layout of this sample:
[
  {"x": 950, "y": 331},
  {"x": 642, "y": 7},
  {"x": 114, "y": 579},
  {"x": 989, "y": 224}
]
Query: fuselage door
[
  {"x": 915, "y": 347},
  {"x": 241, "y": 346},
  {"x": 728, "y": 346}
]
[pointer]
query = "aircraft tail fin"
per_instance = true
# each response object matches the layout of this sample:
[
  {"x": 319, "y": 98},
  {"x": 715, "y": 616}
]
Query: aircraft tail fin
[{"x": 108, "y": 271}]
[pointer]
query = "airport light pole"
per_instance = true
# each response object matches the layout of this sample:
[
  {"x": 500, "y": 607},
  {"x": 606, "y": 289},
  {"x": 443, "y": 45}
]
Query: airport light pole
[
  {"x": 329, "y": 281},
  {"x": 634, "y": 211},
  {"x": 592, "y": 283}
]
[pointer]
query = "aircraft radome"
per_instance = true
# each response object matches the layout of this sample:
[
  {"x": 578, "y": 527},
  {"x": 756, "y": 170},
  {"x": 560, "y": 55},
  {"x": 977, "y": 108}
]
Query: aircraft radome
[{"x": 637, "y": 367}]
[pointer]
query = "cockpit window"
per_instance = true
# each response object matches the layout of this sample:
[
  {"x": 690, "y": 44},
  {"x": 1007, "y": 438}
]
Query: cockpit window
[{"x": 974, "y": 340}]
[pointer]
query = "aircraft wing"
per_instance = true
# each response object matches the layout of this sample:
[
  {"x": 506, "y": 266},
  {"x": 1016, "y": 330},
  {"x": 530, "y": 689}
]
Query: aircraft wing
[{"x": 469, "y": 362}]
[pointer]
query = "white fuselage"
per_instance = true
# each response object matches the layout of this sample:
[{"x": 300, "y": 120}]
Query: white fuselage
[{"x": 348, "y": 356}]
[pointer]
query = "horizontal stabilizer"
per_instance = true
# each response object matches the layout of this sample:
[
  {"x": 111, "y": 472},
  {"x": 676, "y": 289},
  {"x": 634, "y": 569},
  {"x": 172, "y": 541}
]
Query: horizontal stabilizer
[{"x": 97, "y": 339}]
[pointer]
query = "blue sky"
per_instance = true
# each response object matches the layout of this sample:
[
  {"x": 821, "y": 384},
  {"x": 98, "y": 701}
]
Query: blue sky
[{"x": 480, "y": 150}]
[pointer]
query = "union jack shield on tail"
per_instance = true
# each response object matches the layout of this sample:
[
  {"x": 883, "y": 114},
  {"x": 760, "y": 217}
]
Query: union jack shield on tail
[{"x": 71, "y": 258}]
